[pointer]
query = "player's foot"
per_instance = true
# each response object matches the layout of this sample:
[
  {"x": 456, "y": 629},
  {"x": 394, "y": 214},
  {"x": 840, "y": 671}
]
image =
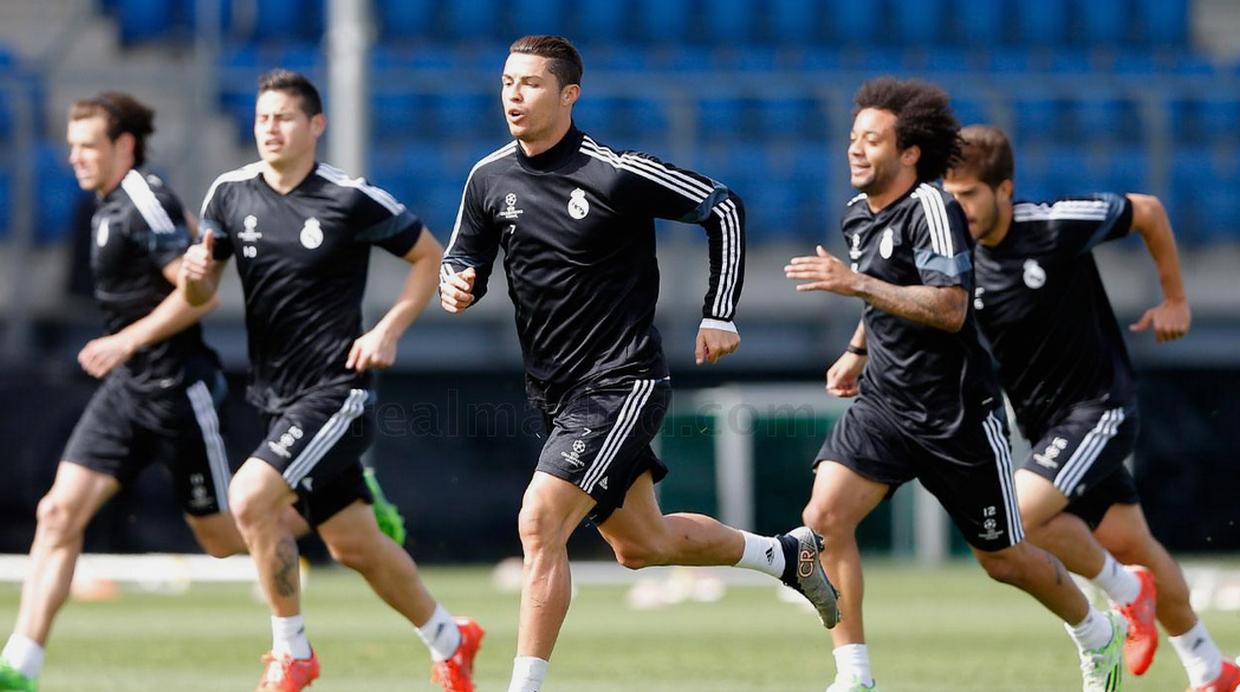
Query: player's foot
[
  {"x": 390, "y": 521},
  {"x": 1103, "y": 668},
  {"x": 803, "y": 573},
  {"x": 456, "y": 674},
  {"x": 12, "y": 679},
  {"x": 854, "y": 686},
  {"x": 1228, "y": 680},
  {"x": 288, "y": 674},
  {"x": 1142, "y": 632}
]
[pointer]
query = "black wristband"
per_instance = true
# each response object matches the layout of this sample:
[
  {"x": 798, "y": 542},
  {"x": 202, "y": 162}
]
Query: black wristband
[{"x": 857, "y": 350}]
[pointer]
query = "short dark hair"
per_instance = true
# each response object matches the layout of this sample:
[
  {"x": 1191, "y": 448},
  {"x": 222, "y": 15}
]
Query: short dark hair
[
  {"x": 294, "y": 83},
  {"x": 122, "y": 113},
  {"x": 923, "y": 118},
  {"x": 986, "y": 153},
  {"x": 565, "y": 61}
]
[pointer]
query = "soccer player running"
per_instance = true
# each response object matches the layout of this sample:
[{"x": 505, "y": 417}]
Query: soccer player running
[
  {"x": 927, "y": 402},
  {"x": 161, "y": 384},
  {"x": 1062, "y": 360},
  {"x": 576, "y": 222},
  {"x": 302, "y": 232}
]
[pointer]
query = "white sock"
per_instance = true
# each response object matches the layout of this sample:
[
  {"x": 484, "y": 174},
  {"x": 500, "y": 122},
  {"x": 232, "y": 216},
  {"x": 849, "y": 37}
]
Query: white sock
[
  {"x": 1120, "y": 585},
  {"x": 1200, "y": 655},
  {"x": 441, "y": 634},
  {"x": 527, "y": 674},
  {"x": 1091, "y": 633},
  {"x": 288, "y": 636},
  {"x": 762, "y": 553},
  {"x": 852, "y": 662},
  {"x": 24, "y": 654}
]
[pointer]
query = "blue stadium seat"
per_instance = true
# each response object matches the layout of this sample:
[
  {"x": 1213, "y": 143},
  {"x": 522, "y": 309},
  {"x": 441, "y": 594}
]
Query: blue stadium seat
[
  {"x": 143, "y": 20},
  {"x": 1033, "y": 175},
  {"x": 920, "y": 22},
  {"x": 1127, "y": 170},
  {"x": 790, "y": 119},
  {"x": 1204, "y": 206},
  {"x": 855, "y": 23},
  {"x": 464, "y": 114},
  {"x": 662, "y": 21},
  {"x": 476, "y": 19},
  {"x": 979, "y": 23},
  {"x": 971, "y": 111},
  {"x": 730, "y": 22},
  {"x": 598, "y": 115},
  {"x": 1163, "y": 22},
  {"x": 602, "y": 18},
  {"x": 1037, "y": 119},
  {"x": 1100, "y": 118},
  {"x": 289, "y": 20},
  {"x": 539, "y": 17},
  {"x": 405, "y": 19},
  {"x": 1211, "y": 120},
  {"x": 399, "y": 115},
  {"x": 1044, "y": 23},
  {"x": 6, "y": 209},
  {"x": 720, "y": 118},
  {"x": 794, "y": 21},
  {"x": 1104, "y": 23},
  {"x": 57, "y": 193}
]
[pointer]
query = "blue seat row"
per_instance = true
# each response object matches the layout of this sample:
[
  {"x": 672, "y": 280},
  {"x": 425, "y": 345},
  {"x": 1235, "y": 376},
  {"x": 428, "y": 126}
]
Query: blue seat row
[
  {"x": 56, "y": 195},
  {"x": 1049, "y": 23}
]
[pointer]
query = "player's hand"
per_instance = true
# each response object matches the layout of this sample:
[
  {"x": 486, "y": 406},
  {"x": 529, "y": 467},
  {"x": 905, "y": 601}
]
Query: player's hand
[
  {"x": 823, "y": 272},
  {"x": 199, "y": 260},
  {"x": 456, "y": 291},
  {"x": 713, "y": 344},
  {"x": 99, "y": 356},
  {"x": 1170, "y": 320},
  {"x": 843, "y": 376},
  {"x": 373, "y": 350}
]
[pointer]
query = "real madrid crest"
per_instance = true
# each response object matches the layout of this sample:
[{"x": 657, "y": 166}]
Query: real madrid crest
[
  {"x": 311, "y": 234},
  {"x": 887, "y": 244},
  {"x": 101, "y": 235},
  {"x": 1035, "y": 275},
  {"x": 578, "y": 207}
]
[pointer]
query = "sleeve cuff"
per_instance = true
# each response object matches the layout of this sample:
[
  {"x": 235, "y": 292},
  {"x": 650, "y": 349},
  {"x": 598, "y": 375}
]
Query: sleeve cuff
[{"x": 721, "y": 325}]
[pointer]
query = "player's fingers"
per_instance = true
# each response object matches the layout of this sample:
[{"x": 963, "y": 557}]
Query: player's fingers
[
  {"x": 699, "y": 349},
  {"x": 458, "y": 282},
  {"x": 355, "y": 353},
  {"x": 1146, "y": 320}
]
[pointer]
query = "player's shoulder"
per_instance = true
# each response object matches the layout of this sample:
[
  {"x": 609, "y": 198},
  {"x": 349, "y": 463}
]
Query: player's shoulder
[
  {"x": 1095, "y": 207},
  {"x": 494, "y": 163},
  {"x": 353, "y": 190},
  {"x": 249, "y": 171},
  {"x": 151, "y": 202}
]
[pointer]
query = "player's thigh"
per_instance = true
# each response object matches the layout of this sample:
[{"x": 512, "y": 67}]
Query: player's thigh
[
  {"x": 864, "y": 459},
  {"x": 971, "y": 475},
  {"x": 351, "y": 531},
  {"x": 1084, "y": 448},
  {"x": 638, "y": 521},
  {"x": 551, "y": 509},
  {"x": 108, "y": 438},
  {"x": 1124, "y": 532},
  {"x": 1039, "y": 499},
  {"x": 216, "y": 533},
  {"x": 190, "y": 445},
  {"x": 75, "y": 497},
  {"x": 600, "y": 441}
]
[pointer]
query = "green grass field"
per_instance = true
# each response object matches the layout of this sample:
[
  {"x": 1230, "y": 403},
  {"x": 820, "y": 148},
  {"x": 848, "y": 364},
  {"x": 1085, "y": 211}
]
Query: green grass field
[{"x": 942, "y": 629}]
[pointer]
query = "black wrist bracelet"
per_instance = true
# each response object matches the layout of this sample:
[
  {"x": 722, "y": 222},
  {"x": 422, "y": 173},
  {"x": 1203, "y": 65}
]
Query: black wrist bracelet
[{"x": 857, "y": 350}]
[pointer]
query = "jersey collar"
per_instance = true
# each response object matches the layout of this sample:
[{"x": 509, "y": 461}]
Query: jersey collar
[{"x": 554, "y": 157}]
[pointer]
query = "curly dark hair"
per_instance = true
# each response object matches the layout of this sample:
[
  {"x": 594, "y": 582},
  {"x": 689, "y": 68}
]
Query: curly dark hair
[{"x": 924, "y": 118}]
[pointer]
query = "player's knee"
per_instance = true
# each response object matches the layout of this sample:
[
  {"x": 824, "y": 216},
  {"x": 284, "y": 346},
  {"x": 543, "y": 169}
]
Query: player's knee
[
  {"x": 825, "y": 522},
  {"x": 216, "y": 546},
  {"x": 637, "y": 555},
  {"x": 537, "y": 527},
  {"x": 353, "y": 554},
  {"x": 250, "y": 507},
  {"x": 58, "y": 521},
  {"x": 1001, "y": 566}
]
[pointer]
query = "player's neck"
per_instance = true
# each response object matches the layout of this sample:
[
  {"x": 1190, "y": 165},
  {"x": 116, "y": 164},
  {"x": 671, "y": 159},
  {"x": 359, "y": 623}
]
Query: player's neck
[
  {"x": 284, "y": 178},
  {"x": 1003, "y": 224},
  {"x": 115, "y": 181},
  {"x": 534, "y": 147},
  {"x": 898, "y": 188}
]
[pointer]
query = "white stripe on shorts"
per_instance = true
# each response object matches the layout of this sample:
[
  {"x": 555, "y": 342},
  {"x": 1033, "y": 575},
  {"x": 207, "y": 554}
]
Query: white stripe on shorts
[
  {"x": 209, "y": 423},
  {"x": 326, "y": 437},
  {"x": 1003, "y": 462},
  {"x": 630, "y": 412},
  {"x": 1077, "y": 465}
]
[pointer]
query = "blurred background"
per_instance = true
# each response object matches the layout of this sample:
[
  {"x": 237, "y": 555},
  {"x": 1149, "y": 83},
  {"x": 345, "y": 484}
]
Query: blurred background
[{"x": 1098, "y": 95}]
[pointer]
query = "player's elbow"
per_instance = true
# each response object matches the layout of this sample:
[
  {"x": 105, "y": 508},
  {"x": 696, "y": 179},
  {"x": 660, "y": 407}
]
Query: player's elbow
[
  {"x": 954, "y": 310},
  {"x": 1148, "y": 212}
]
